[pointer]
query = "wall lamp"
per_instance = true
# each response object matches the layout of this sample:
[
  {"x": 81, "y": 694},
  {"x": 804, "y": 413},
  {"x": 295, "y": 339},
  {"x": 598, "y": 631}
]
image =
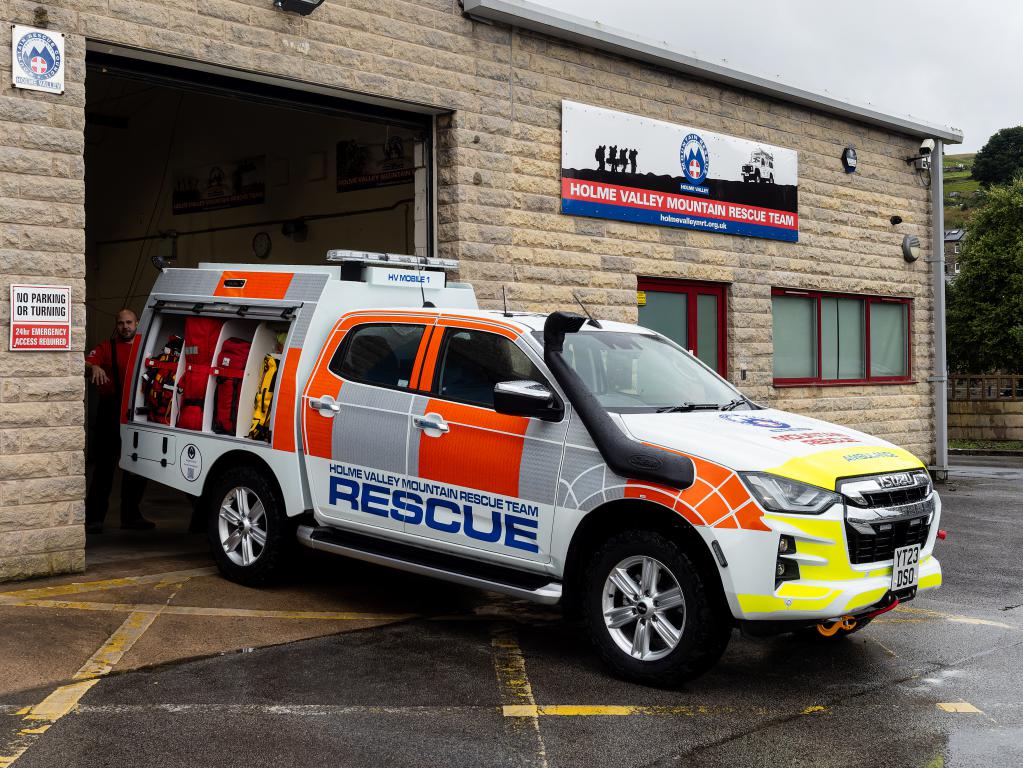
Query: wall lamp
[
  {"x": 301, "y": 7},
  {"x": 849, "y": 159},
  {"x": 911, "y": 248}
]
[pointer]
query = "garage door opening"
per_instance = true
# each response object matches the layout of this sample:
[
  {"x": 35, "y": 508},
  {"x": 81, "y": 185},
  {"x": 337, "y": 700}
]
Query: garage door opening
[{"x": 185, "y": 167}]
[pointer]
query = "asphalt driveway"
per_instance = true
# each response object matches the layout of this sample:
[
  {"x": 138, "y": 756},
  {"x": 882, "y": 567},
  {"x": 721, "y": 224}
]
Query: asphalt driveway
[{"x": 155, "y": 660}]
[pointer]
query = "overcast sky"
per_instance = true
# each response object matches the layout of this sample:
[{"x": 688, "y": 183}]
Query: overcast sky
[{"x": 966, "y": 72}]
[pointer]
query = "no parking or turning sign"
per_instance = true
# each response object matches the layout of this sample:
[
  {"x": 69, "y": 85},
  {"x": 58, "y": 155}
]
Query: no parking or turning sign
[{"x": 40, "y": 318}]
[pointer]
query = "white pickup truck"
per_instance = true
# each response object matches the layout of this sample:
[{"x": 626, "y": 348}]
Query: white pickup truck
[{"x": 549, "y": 457}]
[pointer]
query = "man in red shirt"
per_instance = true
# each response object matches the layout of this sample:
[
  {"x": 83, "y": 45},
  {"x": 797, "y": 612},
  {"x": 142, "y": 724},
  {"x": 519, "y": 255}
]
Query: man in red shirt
[{"x": 106, "y": 366}]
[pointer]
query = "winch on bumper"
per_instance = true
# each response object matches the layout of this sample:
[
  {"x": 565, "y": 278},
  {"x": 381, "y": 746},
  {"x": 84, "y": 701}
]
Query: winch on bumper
[{"x": 838, "y": 563}]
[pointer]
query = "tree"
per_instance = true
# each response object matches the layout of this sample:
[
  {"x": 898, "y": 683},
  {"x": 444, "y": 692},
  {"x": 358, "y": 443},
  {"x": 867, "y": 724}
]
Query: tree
[
  {"x": 985, "y": 301},
  {"x": 1001, "y": 159}
]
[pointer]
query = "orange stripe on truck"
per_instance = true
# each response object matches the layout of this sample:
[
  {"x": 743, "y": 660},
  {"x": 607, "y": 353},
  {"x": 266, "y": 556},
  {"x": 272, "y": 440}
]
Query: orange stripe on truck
[
  {"x": 716, "y": 498},
  {"x": 254, "y": 285},
  {"x": 479, "y": 324},
  {"x": 284, "y": 416},
  {"x": 417, "y": 366},
  {"x": 318, "y": 429},
  {"x": 486, "y": 461},
  {"x": 126, "y": 391},
  {"x": 430, "y": 361}
]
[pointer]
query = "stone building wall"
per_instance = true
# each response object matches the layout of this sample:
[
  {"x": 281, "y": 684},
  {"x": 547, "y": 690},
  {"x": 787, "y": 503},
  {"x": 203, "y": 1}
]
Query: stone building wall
[
  {"x": 42, "y": 239},
  {"x": 985, "y": 420},
  {"x": 498, "y": 193}
]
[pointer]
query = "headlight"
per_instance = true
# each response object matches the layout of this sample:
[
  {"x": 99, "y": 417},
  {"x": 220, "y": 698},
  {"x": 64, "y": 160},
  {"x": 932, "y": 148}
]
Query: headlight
[{"x": 779, "y": 494}]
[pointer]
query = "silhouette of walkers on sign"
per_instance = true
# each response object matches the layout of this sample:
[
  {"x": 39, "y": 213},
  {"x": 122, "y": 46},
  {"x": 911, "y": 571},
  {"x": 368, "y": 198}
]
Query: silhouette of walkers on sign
[{"x": 615, "y": 159}]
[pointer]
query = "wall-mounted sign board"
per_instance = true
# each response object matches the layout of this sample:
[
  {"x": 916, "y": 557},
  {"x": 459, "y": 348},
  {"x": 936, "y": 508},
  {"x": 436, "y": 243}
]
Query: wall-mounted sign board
[
  {"x": 37, "y": 59},
  {"x": 40, "y": 318},
  {"x": 621, "y": 166}
]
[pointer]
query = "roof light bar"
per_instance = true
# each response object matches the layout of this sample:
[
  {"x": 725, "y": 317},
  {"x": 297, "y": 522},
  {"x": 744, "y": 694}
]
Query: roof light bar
[{"x": 367, "y": 257}]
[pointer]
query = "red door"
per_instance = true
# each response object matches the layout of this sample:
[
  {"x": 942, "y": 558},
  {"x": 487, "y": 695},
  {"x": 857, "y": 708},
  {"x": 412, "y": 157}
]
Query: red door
[{"x": 692, "y": 314}]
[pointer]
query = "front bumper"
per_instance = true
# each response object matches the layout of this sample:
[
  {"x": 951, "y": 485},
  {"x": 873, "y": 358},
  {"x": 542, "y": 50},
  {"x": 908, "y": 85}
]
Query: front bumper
[{"x": 829, "y": 586}]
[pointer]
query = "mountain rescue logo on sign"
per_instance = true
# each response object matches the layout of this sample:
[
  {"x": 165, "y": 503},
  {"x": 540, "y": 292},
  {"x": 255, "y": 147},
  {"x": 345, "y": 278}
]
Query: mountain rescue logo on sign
[
  {"x": 695, "y": 159},
  {"x": 37, "y": 59}
]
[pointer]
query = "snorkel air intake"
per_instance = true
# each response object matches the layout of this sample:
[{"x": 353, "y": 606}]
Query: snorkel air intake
[{"x": 625, "y": 456}]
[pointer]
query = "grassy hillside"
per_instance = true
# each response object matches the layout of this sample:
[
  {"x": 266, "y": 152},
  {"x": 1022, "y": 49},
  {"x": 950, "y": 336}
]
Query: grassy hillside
[{"x": 960, "y": 205}]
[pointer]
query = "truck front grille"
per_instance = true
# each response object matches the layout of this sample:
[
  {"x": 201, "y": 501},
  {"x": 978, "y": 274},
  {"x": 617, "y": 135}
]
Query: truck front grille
[
  {"x": 885, "y": 539},
  {"x": 895, "y": 497}
]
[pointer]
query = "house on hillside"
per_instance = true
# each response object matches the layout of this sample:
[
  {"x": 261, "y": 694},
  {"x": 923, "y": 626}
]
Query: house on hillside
[{"x": 953, "y": 242}]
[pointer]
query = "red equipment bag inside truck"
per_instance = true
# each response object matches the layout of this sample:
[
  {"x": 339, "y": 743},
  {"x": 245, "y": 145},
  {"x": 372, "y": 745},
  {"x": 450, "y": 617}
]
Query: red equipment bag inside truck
[
  {"x": 230, "y": 369},
  {"x": 201, "y": 336}
]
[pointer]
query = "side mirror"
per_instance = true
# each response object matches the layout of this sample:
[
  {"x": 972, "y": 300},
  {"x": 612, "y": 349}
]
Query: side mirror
[{"x": 527, "y": 398}]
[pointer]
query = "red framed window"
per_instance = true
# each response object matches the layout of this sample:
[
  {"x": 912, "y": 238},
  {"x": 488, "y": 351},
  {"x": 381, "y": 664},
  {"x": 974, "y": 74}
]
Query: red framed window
[
  {"x": 837, "y": 338},
  {"x": 691, "y": 314}
]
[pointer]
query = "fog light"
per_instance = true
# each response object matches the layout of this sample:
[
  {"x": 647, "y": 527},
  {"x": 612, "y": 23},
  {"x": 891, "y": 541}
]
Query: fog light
[{"x": 785, "y": 568}]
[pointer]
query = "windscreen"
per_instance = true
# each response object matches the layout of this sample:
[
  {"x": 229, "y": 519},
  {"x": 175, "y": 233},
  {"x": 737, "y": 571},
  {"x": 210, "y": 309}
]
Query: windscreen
[{"x": 636, "y": 372}]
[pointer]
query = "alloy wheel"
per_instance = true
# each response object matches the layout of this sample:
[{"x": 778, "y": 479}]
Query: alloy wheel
[
  {"x": 242, "y": 526},
  {"x": 644, "y": 608}
]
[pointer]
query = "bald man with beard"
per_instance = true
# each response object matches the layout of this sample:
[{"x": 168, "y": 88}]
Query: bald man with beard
[{"x": 106, "y": 367}]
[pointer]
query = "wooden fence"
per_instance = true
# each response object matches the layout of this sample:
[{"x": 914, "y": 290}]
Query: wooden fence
[{"x": 1008, "y": 387}]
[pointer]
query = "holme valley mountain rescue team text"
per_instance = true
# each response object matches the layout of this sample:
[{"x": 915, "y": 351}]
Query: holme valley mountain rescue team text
[{"x": 662, "y": 201}]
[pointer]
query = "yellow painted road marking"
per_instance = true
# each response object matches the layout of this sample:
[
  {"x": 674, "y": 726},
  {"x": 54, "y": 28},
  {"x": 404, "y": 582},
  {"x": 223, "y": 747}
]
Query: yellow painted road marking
[
  {"x": 608, "y": 710},
  {"x": 813, "y": 709},
  {"x": 957, "y": 618},
  {"x": 959, "y": 706},
  {"x": 513, "y": 684},
  {"x": 521, "y": 710},
  {"x": 187, "y": 610},
  {"x": 65, "y": 698},
  {"x": 60, "y": 702},
  {"x": 331, "y": 710},
  {"x": 170, "y": 577},
  {"x": 111, "y": 652},
  {"x": 886, "y": 649}
]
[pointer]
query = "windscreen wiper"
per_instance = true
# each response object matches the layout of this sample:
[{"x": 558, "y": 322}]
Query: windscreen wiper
[
  {"x": 740, "y": 400},
  {"x": 686, "y": 407}
]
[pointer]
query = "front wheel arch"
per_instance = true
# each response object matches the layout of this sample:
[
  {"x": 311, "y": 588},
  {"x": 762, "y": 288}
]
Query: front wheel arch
[{"x": 622, "y": 515}]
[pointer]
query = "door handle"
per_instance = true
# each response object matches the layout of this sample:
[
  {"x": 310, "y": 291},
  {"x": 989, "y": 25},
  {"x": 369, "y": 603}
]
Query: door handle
[
  {"x": 430, "y": 421},
  {"x": 326, "y": 405}
]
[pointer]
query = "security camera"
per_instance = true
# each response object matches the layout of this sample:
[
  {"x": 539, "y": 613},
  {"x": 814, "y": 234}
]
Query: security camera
[{"x": 922, "y": 161}]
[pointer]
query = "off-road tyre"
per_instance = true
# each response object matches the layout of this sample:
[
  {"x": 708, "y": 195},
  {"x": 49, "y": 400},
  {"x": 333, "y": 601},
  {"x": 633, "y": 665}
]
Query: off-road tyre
[
  {"x": 267, "y": 565},
  {"x": 707, "y": 624}
]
